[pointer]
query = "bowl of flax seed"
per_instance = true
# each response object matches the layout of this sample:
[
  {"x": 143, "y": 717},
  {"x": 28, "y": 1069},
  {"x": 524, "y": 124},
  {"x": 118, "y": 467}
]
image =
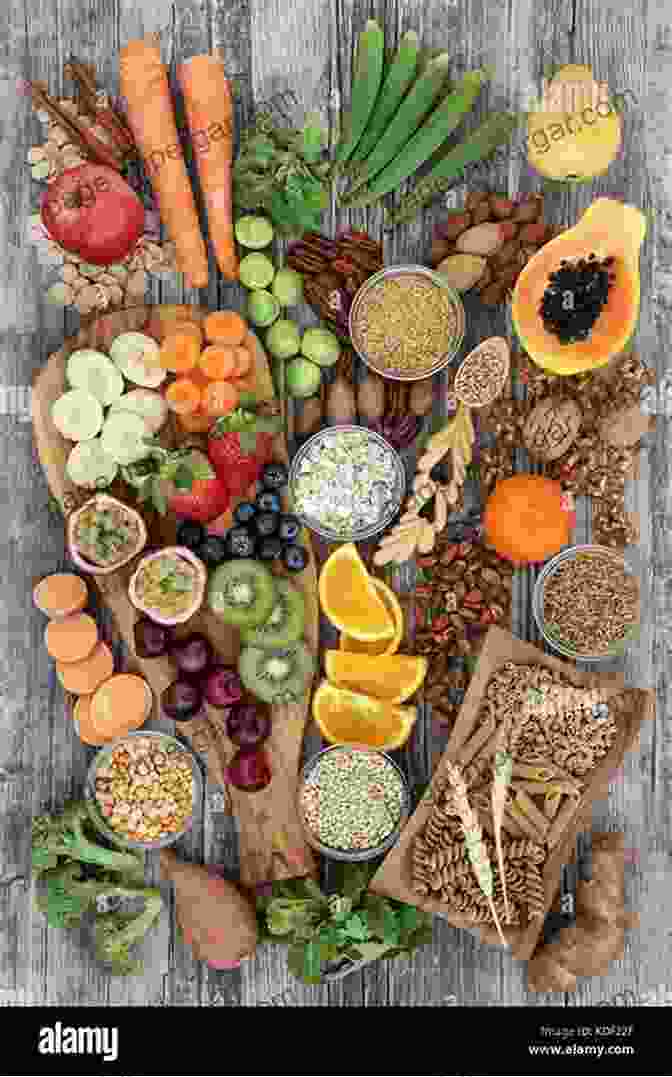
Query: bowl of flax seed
[{"x": 406, "y": 323}]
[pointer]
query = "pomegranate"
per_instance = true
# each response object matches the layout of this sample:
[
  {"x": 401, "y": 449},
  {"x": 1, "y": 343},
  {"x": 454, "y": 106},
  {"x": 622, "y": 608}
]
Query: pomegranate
[{"x": 91, "y": 211}]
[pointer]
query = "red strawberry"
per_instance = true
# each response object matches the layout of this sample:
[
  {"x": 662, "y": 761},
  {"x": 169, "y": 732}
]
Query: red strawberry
[
  {"x": 240, "y": 445},
  {"x": 195, "y": 490}
]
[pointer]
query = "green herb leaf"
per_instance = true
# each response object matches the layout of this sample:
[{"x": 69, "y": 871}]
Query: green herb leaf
[
  {"x": 391, "y": 930},
  {"x": 312, "y": 961},
  {"x": 371, "y": 951},
  {"x": 408, "y": 917},
  {"x": 357, "y": 928}
]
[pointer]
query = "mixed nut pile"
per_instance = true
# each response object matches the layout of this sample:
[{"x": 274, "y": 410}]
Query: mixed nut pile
[{"x": 333, "y": 270}]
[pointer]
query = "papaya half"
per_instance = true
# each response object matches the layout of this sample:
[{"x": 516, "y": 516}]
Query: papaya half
[
  {"x": 576, "y": 132},
  {"x": 611, "y": 230}
]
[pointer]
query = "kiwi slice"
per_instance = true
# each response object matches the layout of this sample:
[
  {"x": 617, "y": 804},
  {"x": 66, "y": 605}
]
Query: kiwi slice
[
  {"x": 279, "y": 676},
  {"x": 242, "y": 592},
  {"x": 285, "y": 624}
]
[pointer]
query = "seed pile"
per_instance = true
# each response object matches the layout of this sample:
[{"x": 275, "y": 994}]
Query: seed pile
[
  {"x": 146, "y": 790},
  {"x": 482, "y": 375},
  {"x": 352, "y": 799},
  {"x": 591, "y": 602},
  {"x": 405, "y": 323},
  {"x": 575, "y": 297}
]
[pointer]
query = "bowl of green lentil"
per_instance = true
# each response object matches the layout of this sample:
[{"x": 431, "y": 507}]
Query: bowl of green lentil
[
  {"x": 142, "y": 790},
  {"x": 586, "y": 603},
  {"x": 406, "y": 323},
  {"x": 353, "y": 802}
]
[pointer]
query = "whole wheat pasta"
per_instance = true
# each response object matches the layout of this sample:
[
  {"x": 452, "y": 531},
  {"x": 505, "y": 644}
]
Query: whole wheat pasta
[
  {"x": 561, "y": 821},
  {"x": 541, "y": 773},
  {"x": 533, "y": 788},
  {"x": 527, "y": 805},
  {"x": 535, "y": 895},
  {"x": 513, "y": 826},
  {"x": 525, "y": 823},
  {"x": 567, "y": 788},
  {"x": 472, "y": 747},
  {"x": 552, "y": 804},
  {"x": 526, "y": 850}
]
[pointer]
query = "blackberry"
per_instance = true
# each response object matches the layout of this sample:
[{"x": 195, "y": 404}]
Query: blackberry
[
  {"x": 213, "y": 550},
  {"x": 240, "y": 543}
]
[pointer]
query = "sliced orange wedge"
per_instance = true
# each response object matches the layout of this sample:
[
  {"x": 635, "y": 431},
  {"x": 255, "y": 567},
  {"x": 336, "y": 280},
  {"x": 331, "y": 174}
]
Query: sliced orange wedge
[
  {"x": 381, "y": 646},
  {"x": 349, "y": 598},
  {"x": 390, "y": 677},
  {"x": 352, "y": 718}
]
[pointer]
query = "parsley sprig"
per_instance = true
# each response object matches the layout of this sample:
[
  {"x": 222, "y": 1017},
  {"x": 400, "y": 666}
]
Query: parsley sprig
[{"x": 351, "y": 925}]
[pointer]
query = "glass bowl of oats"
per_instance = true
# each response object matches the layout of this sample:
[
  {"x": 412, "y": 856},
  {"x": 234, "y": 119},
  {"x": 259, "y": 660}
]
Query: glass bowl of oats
[
  {"x": 406, "y": 323},
  {"x": 346, "y": 483},
  {"x": 586, "y": 603}
]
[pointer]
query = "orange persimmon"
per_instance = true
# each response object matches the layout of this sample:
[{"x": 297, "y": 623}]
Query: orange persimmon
[
  {"x": 179, "y": 352},
  {"x": 225, "y": 327},
  {"x": 220, "y": 398},
  {"x": 183, "y": 396},
  {"x": 526, "y": 519},
  {"x": 217, "y": 362}
]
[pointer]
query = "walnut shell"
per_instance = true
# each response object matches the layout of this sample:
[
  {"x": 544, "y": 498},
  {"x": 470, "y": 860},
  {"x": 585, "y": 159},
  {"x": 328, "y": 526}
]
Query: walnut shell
[{"x": 552, "y": 428}]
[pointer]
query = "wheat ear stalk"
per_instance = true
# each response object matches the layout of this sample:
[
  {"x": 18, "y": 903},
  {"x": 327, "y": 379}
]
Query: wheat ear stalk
[
  {"x": 501, "y": 780},
  {"x": 473, "y": 839}
]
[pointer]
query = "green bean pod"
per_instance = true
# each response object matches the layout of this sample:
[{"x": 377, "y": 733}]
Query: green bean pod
[
  {"x": 367, "y": 77},
  {"x": 408, "y": 117},
  {"x": 401, "y": 74},
  {"x": 435, "y": 130},
  {"x": 485, "y": 139}
]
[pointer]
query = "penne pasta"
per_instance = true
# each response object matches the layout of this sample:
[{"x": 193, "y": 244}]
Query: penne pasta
[
  {"x": 526, "y": 824},
  {"x": 561, "y": 821},
  {"x": 533, "y": 772},
  {"x": 512, "y": 826},
  {"x": 552, "y": 803},
  {"x": 473, "y": 746},
  {"x": 568, "y": 788},
  {"x": 527, "y": 805},
  {"x": 531, "y": 787}
]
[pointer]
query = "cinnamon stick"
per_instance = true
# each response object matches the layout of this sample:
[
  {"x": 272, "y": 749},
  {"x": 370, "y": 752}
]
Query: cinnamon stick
[{"x": 88, "y": 143}]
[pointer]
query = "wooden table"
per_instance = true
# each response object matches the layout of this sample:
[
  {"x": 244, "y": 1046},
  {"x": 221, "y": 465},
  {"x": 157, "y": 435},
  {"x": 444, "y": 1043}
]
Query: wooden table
[{"x": 305, "y": 46}]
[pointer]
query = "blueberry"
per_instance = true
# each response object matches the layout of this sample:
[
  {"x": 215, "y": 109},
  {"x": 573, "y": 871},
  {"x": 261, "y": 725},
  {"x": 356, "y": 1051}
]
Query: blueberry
[
  {"x": 270, "y": 549},
  {"x": 289, "y": 528},
  {"x": 244, "y": 512},
  {"x": 240, "y": 543},
  {"x": 266, "y": 523},
  {"x": 213, "y": 550},
  {"x": 274, "y": 476},
  {"x": 294, "y": 558},
  {"x": 268, "y": 501},
  {"x": 190, "y": 534}
]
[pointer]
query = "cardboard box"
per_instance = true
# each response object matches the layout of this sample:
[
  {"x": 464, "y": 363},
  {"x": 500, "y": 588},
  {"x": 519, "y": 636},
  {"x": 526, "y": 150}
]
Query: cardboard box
[{"x": 393, "y": 878}]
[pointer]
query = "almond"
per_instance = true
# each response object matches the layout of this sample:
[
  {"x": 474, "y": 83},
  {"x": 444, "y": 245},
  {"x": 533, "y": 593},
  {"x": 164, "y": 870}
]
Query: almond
[
  {"x": 462, "y": 271},
  {"x": 533, "y": 233},
  {"x": 509, "y": 275},
  {"x": 441, "y": 248},
  {"x": 493, "y": 294},
  {"x": 529, "y": 209},
  {"x": 474, "y": 199},
  {"x": 501, "y": 207},
  {"x": 484, "y": 239},
  {"x": 482, "y": 213},
  {"x": 486, "y": 279},
  {"x": 507, "y": 254}
]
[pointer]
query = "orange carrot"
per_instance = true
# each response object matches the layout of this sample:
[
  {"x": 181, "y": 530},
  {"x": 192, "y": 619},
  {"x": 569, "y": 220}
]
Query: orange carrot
[
  {"x": 225, "y": 327},
  {"x": 183, "y": 396},
  {"x": 208, "y": 106},
  {"x": 220, "y": 398},
  {"x": 243, "y": 362},
  {"x": 217, "y": 362},
  {"x": 144, "y": 85}
]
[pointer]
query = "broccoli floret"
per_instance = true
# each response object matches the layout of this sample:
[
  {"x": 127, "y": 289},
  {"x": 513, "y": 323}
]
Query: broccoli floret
[
  {"x": 64, "y": 896},
  {"x": 70, "y": 835},
  {"x": 117, "y": 932}
]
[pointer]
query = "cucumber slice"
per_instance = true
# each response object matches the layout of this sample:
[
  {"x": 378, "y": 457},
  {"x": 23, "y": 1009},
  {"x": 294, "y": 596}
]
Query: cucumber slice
[
  {"x": 90, "y": 466},
  {"x": 124, "y": 437},
  {"x": 94, "y": 372},
  {"x": 146, "y": 403},
  {"x": 77, "y": 415},
  {"x": 253, "y": 232},
  {"x": 137, "y": 357}
]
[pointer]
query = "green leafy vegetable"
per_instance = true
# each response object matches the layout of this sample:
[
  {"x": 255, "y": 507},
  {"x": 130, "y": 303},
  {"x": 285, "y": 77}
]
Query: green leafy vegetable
[{"x": 350, "y": 925}]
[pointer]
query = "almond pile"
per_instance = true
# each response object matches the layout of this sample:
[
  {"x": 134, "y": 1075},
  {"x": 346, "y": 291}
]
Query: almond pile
[
  {"x": 89, "y": 288},
  {"x": 485, "y": 245}
]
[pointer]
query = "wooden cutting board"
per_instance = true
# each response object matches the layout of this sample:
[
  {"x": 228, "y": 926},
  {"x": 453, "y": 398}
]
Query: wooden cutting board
[{"x": 271, "y": 842}]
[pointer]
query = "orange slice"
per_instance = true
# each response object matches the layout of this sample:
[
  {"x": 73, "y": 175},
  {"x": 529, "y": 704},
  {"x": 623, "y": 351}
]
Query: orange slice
[
  {"x": 71, "y": 639},
  {"x": 349, "y": 598},
  {"x": 391, "y": 603},
  {"x": 352, "y": 718},
  {"x": 392, "y": 677}
]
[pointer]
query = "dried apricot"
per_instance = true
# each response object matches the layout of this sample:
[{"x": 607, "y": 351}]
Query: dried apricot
[{"x": 179, "y": 352}]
